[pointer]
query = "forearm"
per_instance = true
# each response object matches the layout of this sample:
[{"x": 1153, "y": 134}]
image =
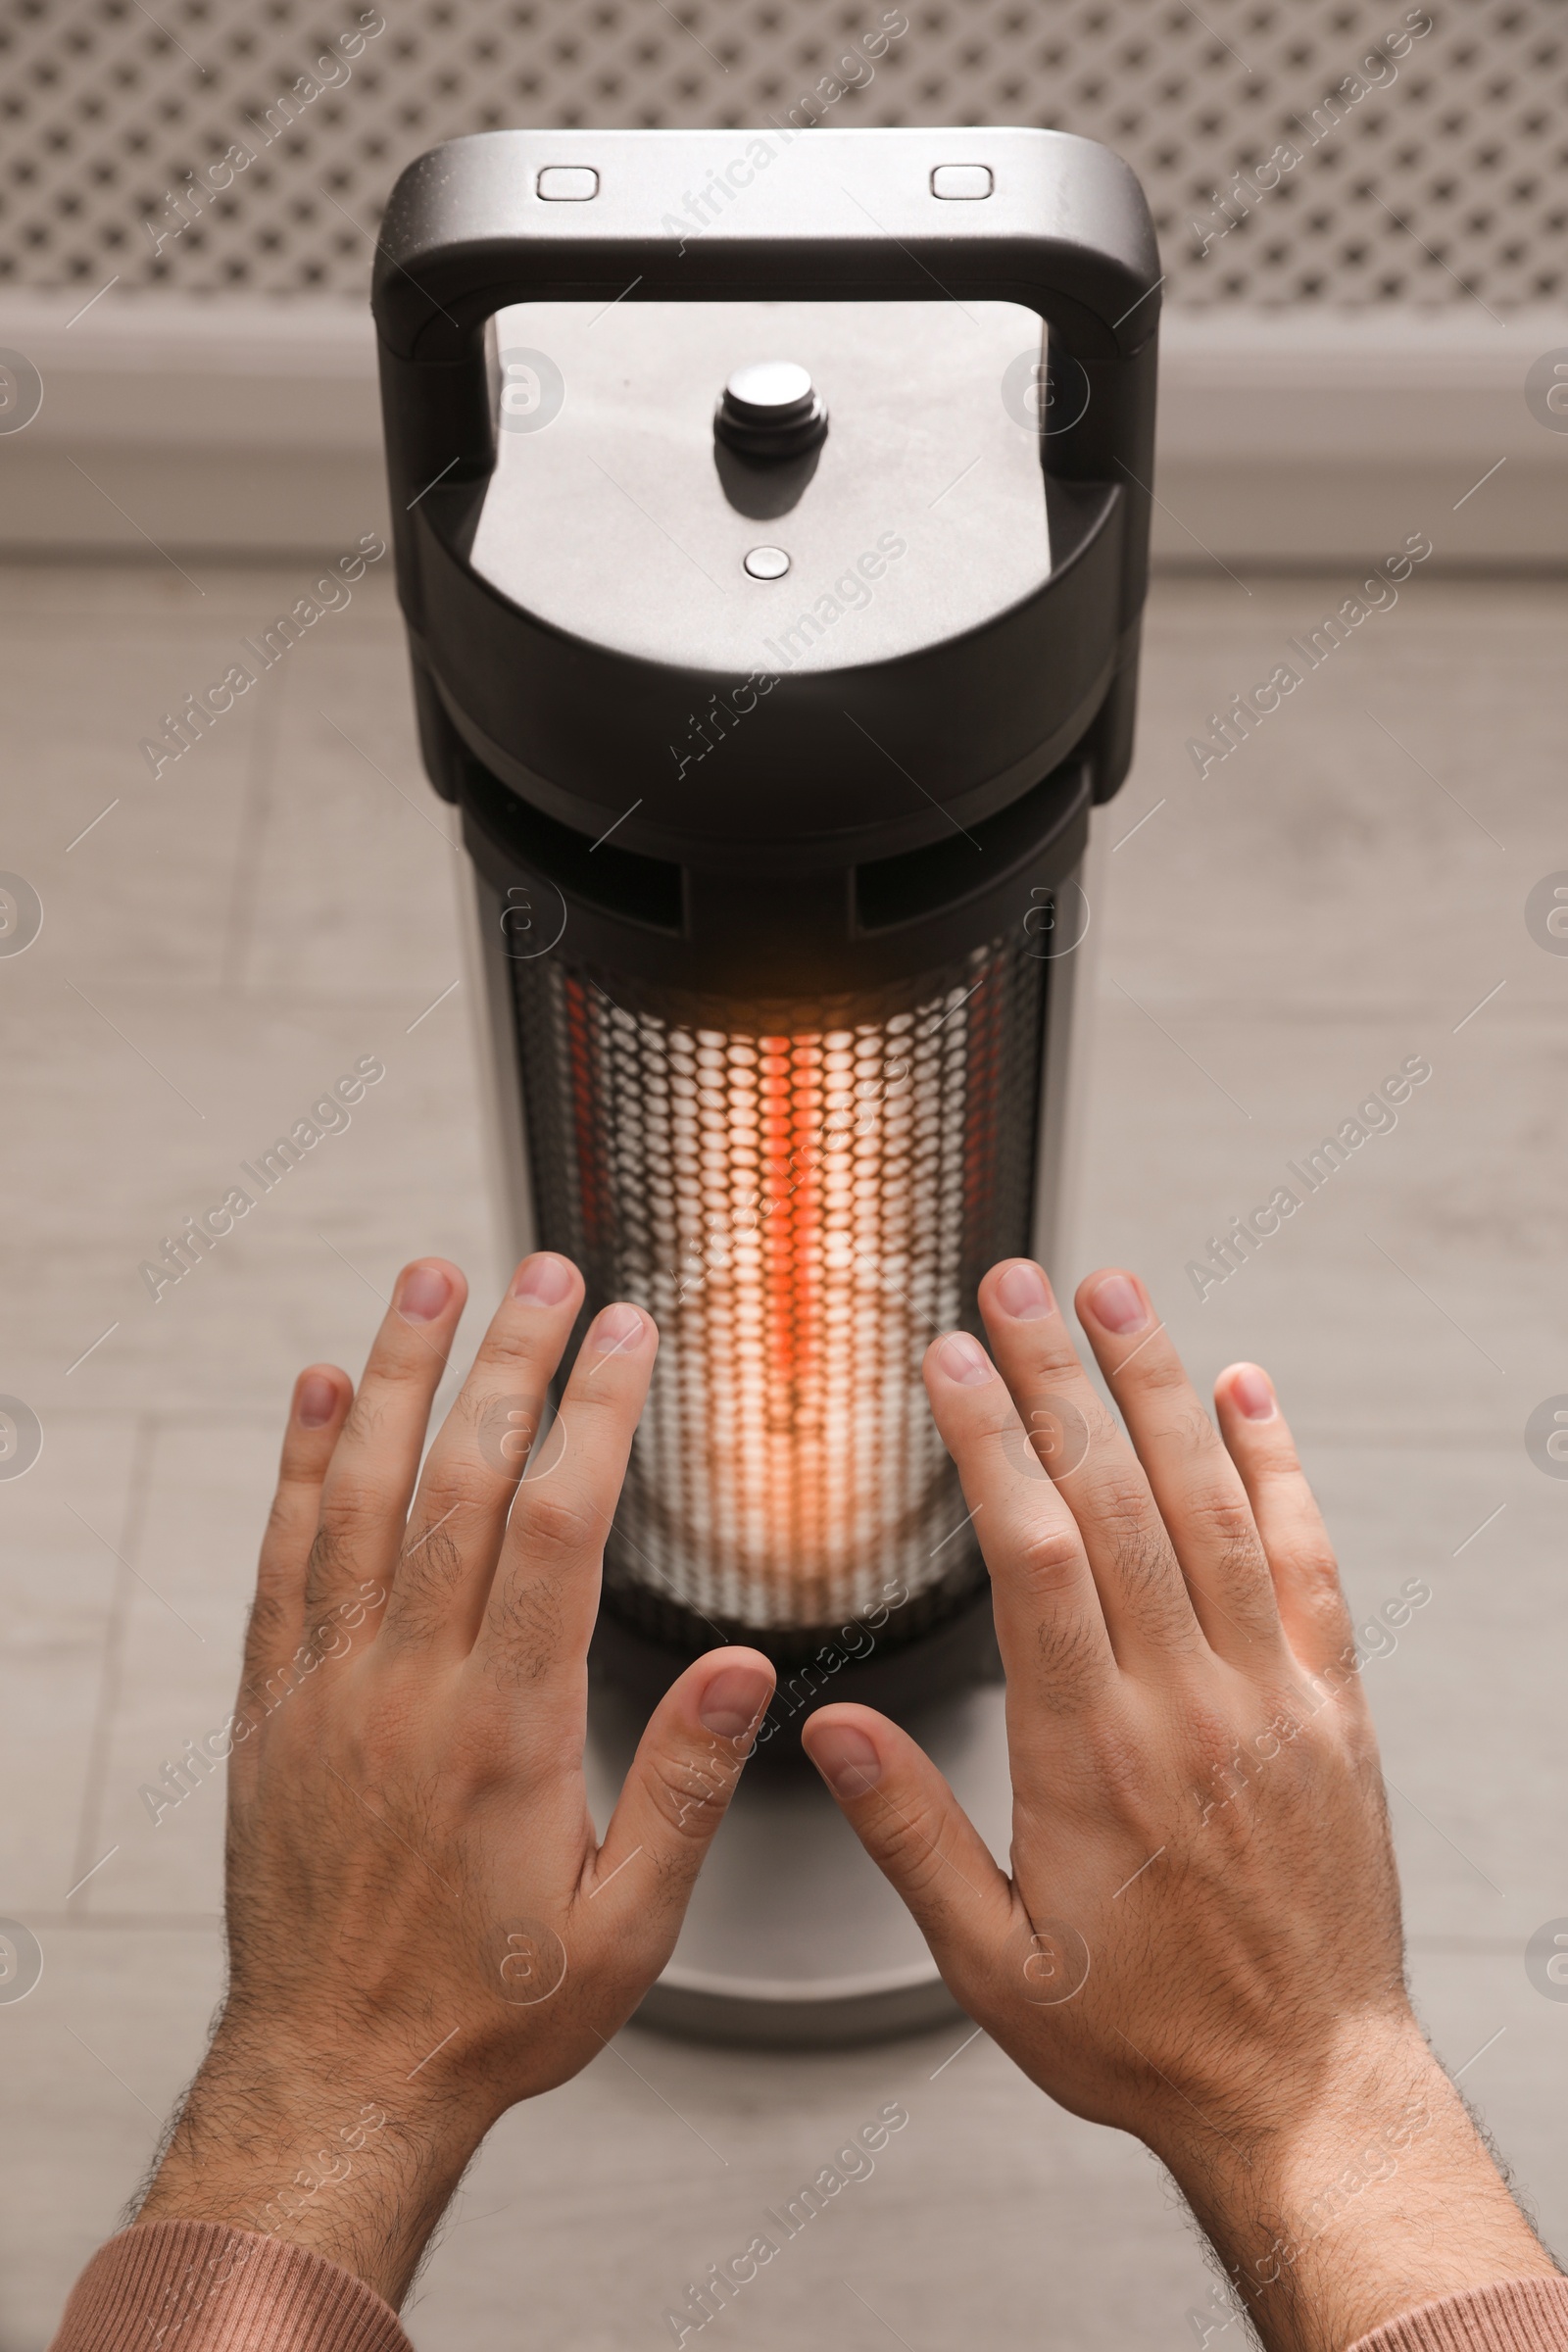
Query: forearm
[
  {"x": 1379, "y": 2196},
  {"x": 345, "y": 2161}
]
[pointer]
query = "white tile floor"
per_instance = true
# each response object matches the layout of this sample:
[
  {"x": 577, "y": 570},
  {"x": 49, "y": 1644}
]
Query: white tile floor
[{"x": 1338, "y": 894}]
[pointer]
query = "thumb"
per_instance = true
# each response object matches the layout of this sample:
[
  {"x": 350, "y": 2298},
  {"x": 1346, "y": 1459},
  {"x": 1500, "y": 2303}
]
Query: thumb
[
  {"x": 915, "y": 1830},
  {"x": 687, "y": 1766}
]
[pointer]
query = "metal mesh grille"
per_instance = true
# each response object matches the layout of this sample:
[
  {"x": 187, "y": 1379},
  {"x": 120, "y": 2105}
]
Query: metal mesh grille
[
  {"x": 801, "y": 1195},
  {"x": 1431, "y": 177}
]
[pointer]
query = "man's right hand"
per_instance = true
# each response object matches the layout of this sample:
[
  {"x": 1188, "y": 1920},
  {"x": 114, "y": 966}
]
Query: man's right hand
[
  {"x": 1201, "y": 1941},
  {"x": 424, "y": 1925}
]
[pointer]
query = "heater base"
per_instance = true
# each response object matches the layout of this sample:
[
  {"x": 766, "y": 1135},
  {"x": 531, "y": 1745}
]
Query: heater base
[{"x": 794, "y": 1939}]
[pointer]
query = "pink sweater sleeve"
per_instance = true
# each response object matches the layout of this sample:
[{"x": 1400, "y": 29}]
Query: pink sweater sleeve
[
  {"x": 1522, "y": 2315},
  {"x": 202, "y": 2286}
]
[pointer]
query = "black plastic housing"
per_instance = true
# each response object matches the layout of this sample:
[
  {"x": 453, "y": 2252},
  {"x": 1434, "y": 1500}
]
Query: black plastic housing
[{"x": 829, "y": 217}]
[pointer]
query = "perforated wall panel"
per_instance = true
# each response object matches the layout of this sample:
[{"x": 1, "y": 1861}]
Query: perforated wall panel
[{"x": 1433, "y": 173}]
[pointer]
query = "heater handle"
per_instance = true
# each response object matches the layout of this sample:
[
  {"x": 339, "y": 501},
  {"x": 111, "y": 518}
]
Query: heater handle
[{"x": 832, "y": 214}]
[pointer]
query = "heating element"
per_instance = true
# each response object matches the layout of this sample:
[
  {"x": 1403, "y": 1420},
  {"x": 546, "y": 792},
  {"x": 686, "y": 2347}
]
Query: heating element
[{"x": 803, "y": 1192}]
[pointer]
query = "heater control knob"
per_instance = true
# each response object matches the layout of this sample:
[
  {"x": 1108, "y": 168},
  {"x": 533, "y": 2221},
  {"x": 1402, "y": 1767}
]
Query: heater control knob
[{"x": 771, "y": 409}]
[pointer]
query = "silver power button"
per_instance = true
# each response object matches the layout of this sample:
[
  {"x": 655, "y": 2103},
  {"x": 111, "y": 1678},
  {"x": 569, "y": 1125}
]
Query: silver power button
[{"x": 771, "y": 409}]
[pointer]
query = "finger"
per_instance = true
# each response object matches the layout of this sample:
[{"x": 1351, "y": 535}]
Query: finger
[
  {"x": 915, "y": 1832},
  {"x": 1050, "y": 1625},
  {"x": 1300, "y": 1556},
  {"x": 470, "y": 1473},
  {"x": 365, "y": 1500},
  {"x": 1194, "y": 1481},
  {"x": 1142, "y": 1594},
  {"x": 545, "y": 1593},
  {"x": 687, "y": 1767},
  {"x": 321, "y": 1400}
]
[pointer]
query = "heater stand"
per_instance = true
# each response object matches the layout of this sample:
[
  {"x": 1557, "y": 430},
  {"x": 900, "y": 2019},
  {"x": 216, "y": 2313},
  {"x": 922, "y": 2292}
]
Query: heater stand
[
  {"x": 793, "y": 1938},
  {"x": 773, "y": 592}
]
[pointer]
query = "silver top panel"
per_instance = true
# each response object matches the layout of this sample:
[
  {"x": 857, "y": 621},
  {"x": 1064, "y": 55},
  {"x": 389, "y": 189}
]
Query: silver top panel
[{"x": 614, "y": 514}]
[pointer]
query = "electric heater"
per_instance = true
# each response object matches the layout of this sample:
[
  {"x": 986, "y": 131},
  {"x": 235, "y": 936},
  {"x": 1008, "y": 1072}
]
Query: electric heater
[{"x": 771, "y": 519}]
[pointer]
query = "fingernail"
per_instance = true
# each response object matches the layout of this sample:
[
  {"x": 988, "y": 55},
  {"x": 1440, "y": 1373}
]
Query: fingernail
[
  {"x": 1024, "y": 1292},
  {"x": 316, "y": 1401},
  {"x": 422, "y": 1292},
  {"x": 963, "y": 1359},
  {"x": 734, "y": 1700},
  {"x": 1116, "y": 1304},
  {"x": 1253, "y": 1393},
  {"x": 542, "y": 1280},
  {"x": 847, "y": 1759},
  {"x": 616, "y": 1328}
]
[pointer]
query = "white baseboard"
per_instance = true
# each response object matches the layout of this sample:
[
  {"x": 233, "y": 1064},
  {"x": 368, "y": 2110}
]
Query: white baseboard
[{"x": 1290, "y": 437}]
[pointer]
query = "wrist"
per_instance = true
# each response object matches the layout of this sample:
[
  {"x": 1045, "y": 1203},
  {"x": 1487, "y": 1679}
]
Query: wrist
[
  {"x": 346, "y": 2156},
  {"x": 1366, "y": 2192}
]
